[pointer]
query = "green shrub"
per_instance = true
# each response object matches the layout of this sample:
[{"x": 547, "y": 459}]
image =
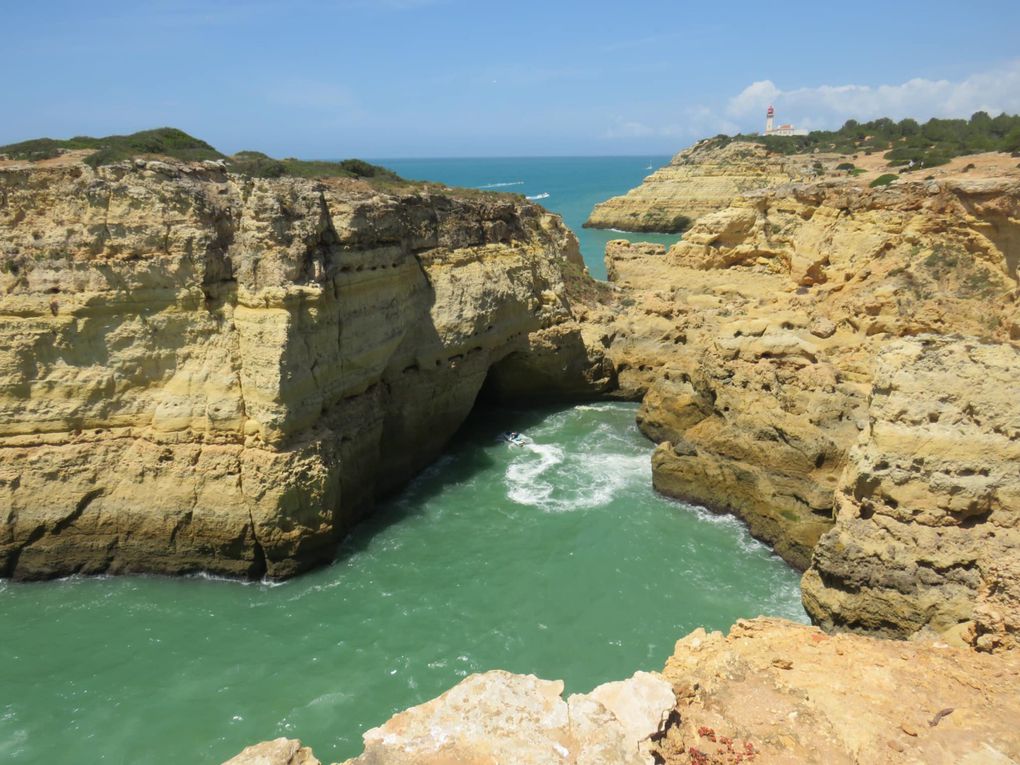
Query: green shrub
[
  {"x": 883, "y": 180},
  {"x": 174, "y": 143},
  {"x": 934, "y": 143}
]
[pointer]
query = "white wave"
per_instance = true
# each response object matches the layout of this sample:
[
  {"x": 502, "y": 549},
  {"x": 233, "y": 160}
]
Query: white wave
[
  {"x": 209, "y": 577},
  {"x": 747, "y": 543},
  {"x": 607, "y": 407},
  {"x": 500, "y": 185},
  {"x": 556, "y": 483},
  {"x": 524, "y": 474},
  {"x": 544, "y": 195}
]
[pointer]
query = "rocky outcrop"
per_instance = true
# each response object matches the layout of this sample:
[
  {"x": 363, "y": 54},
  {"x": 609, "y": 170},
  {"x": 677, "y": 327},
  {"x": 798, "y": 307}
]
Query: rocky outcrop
[
  {"x": 754, "y": 344},
  {"x": 207, "y": 371},
  {"x": 280, "y": 751},
  {"x": 500, "y": 717},
  {"x": 702, "y": 179},
  {"x": 927, "y": 528},
  {"x": 776, "y": 692},
  {"x": 771, "y": 692}
]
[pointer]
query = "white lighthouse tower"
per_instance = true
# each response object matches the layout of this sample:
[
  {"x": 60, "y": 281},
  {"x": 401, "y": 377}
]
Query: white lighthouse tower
[{"x": 771, "y": 129}]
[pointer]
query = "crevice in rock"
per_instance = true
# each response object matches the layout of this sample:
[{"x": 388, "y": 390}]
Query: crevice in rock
[
  {"x": 258, "y": 567},
  {"x": 80, "y": 508},
  {"x": 12, "y": 562}
]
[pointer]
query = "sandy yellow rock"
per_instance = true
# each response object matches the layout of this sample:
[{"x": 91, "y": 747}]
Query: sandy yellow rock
[
  {"x": 208, "y": 371},
  {"x": 787, "y": 693},
  {"x": 701, "y": 179},
  {"x": 927, "y": 532},
  {"x": 753, "y": 342}
]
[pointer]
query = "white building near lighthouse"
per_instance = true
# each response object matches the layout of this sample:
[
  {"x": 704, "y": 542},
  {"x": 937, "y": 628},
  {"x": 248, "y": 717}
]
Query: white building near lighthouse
[{"x": 771, "y": 129}]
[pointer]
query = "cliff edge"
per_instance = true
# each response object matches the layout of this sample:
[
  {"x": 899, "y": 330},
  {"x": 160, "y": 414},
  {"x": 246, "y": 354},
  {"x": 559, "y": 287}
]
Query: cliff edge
[{"x": 208, "y": 371}]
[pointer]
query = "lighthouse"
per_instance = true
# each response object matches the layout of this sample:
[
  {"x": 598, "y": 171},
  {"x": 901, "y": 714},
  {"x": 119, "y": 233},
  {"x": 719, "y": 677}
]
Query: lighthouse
[{"x": 771, "y": 129}]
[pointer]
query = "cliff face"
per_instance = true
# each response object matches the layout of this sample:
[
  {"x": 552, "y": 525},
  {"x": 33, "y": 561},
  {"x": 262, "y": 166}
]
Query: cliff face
[
  {"x": 826, "y": 343},
  {"x": 699, "y": 180},
  {"x": 205, "y": 371},
  {"x": 928, "y": 509}
]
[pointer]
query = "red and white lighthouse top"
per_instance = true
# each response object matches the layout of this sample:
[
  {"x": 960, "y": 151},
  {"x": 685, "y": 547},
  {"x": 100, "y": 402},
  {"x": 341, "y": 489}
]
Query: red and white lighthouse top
[{"x": 771, "y": 112}]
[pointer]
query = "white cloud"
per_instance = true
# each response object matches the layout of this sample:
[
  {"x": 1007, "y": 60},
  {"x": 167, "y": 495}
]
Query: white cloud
[
  {"x": 829, "y": 106},
  {"x": 994, "y": 91}
]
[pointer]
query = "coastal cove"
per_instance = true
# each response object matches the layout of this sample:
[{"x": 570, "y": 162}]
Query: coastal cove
[{"x": 494, "y": 557}]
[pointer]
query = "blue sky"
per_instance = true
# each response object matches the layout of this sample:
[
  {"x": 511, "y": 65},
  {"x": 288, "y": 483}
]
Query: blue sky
[{"x": 398, "y": 78}]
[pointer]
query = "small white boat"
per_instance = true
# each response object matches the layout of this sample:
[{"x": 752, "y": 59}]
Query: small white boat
[{"x": 514, "y": 439}]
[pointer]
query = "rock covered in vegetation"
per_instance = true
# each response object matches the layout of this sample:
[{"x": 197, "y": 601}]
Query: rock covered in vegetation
[
  {"x": 699, "y": 180},
  {"x": 205, "y": 371}
]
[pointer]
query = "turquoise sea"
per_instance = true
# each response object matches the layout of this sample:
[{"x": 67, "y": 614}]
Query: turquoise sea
[
  {"x": 557, "y": 559},
  {"x": 574, "y": 185}
]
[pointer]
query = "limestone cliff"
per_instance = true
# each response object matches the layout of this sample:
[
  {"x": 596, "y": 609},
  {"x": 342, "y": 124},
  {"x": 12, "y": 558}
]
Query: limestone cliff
[
  {"x": 769, "y": 692},
  {"x": 701, "y": 179},
  {"x": 928, "y": 509},
  {"x": 764, "y": 346},
  {"x": 201, "y": 370}
]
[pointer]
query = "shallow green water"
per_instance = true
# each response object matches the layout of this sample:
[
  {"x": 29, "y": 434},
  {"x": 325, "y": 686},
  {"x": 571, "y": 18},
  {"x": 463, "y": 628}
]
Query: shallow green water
[{"x": 557, "y": 559}]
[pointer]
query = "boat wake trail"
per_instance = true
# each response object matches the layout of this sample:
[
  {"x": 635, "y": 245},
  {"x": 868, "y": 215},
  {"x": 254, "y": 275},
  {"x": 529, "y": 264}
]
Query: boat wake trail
[{"x": 501, "y": 185}]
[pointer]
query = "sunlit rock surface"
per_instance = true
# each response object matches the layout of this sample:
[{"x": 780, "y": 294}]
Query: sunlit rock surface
[{"x": 202, "y": 371}]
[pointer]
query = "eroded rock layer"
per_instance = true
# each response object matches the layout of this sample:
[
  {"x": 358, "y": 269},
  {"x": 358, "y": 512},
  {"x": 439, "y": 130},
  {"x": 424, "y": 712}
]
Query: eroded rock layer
[
  {"x": 699, "y": 180},
  {"x": 927, "y": 527},
  {"x": 779, "y": 349},
  {"x": 206, "y": 371}
]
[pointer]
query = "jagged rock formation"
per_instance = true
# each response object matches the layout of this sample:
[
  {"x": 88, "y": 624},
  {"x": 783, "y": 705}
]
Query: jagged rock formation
[
  {"x": 928, "y": 510},
  {"x": 206, "y": 371},
  {"x": 755, "y": 344},
  {"x": 770, "y": 692},
  {"x": 699, "y": 180},
  {"x": 499, "y": 717}
]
